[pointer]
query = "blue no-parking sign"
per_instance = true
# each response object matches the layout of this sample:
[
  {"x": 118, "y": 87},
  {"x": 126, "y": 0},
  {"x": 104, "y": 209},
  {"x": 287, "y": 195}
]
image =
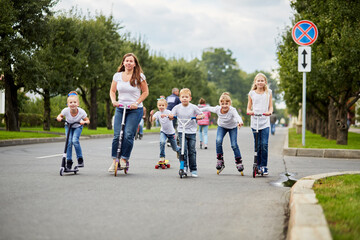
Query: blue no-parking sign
[{"x": 304, "y": 33}]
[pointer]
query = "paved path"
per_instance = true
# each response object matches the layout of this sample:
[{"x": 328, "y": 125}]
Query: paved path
[{"x": 36, "y": 203}]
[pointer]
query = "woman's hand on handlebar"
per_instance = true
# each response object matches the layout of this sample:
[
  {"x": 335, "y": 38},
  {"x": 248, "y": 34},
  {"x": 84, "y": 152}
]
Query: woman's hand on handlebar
[
  {"x": 134, "y": 106},
  {"x": 115, "y": 104}
]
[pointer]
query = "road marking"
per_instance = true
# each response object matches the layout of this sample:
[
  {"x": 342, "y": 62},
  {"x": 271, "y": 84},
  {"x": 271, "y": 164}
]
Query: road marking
[{"x": 49, "y": 156}]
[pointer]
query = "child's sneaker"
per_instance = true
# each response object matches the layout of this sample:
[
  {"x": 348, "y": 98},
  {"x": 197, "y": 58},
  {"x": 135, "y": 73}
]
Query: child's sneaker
[
  {"x": 69, "y": 164},
  {"x": 194, "y": 174},
  {"x": 205, "y": 146},
  {"x": 80, "y": 162},
  {"x": 185, "y": 169},
  {"x": 112, "y": 167},
  {"x": 265, "y": 171},
  {"x": 259, "y": 170},
  {"x": 124, "y": 164}
]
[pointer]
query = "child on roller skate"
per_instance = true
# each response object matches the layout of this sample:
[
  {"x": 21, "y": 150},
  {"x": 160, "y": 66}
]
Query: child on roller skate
[
  {"x": 187, "y": 110},
  {"x": 260, "y": 102},
  {"x": 228, "y": 121},
  {"x": 167, "y": 130},
  {"x": 73, "y": 113}
]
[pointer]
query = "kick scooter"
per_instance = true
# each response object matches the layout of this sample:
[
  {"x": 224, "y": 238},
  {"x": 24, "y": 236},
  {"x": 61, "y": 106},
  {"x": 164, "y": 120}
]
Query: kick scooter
[
  {"x": 63, "y": 168},
  {"x": 118, "y": 153},
  {"x": 183, "y": 122},
  {"x": 256, "y": 169}
]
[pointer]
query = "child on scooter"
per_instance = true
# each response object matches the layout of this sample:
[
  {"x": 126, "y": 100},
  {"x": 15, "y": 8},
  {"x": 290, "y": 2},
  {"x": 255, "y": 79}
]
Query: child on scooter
[
  {"x": 73, "y": 113},
  {"x": 228, "y": 121},
  {"x": 187, "y": 110},
  {"x": 167, "y": 130},
  {"x": 260, "y": 102}
]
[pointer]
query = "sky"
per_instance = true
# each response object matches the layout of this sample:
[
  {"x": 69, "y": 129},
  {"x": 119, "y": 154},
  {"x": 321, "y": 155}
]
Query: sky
[{"x": 251, "y": 29}]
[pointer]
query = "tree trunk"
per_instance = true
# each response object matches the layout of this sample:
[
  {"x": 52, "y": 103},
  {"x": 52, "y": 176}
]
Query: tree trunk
[
  {"x": 324, "y": 130},
  {"x": 109, "y": 114},
  {"x": 93, "y": 108},
  {"x": 332, "y": 129},
  {"x": 47, "y": 110},
  {"x": 318, "y": 125},
  {"x": 11, "y": 102},
  {"x": 342, "y": 128}
]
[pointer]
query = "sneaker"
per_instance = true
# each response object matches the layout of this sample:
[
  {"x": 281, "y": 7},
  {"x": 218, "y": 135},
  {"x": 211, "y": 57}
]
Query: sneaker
[
  {"x": 69, "y": 164},
  {"x": 194, "y": 174},
  {"x": 185, "y": 169},
  {"x": 205, "y": 146},
  {"x": 124, "y": 164},
  {"x": 168, "y": 144},
  {"x": 265, "y": 171},
  {"x": 259, "y": 170},
  {"x": 80, "y": 162},
  {"x": 112, "y": 167}
]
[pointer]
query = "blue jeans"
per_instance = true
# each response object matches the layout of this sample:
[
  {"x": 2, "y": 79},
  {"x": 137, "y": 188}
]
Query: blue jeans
[
  {"x": 262, "y": 151},
  {"x": 172, "y": 140},
  {"x": 73, "y": 140},
  {"x": 189, "y": 151},
  {"x": 272, "y": 128},
  {"x": 221, "y": 132},
  {"x": 203, "y": 129},
  {"x": 132, "y": 120}
]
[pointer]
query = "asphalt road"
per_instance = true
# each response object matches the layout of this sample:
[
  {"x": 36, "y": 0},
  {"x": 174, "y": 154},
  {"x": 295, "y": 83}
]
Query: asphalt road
[{"x": 37, "y": 203}]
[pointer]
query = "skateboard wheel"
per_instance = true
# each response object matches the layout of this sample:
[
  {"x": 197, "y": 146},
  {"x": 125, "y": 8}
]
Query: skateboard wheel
[
  {"x": 168, "y": 166},
  {"x": 156, "y": 166},
  {"x": 163, "y": 166}
]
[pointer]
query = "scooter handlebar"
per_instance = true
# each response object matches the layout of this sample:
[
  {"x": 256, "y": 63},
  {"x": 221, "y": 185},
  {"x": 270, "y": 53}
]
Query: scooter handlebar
[{"x": 185, "y": 119}]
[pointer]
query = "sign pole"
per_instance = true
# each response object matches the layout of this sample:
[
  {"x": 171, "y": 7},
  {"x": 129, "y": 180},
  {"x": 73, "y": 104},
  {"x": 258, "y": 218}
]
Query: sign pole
[{"x": 304, "y": 108}]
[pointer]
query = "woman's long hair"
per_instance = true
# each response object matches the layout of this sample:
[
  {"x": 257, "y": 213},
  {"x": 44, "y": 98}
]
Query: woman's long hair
[{"x": 136, "y": 77}]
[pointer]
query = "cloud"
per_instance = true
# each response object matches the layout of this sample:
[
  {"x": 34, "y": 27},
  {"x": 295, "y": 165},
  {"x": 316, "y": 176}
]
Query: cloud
[{"x": 184, "y": 28}]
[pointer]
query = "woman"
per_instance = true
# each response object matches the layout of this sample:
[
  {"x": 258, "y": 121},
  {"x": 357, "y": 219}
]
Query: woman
[{"x": 130, "y": 83}]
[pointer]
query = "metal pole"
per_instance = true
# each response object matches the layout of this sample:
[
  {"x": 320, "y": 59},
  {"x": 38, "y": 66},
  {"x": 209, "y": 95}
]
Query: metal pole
[{"x": 304, "y": 108}]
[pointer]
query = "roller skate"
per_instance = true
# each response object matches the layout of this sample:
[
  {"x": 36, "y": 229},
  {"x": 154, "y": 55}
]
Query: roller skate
[
  {"x": 220, "y": 163},
  {"x": 239, "y": 165},
  {"x": 162, "y": 163}
]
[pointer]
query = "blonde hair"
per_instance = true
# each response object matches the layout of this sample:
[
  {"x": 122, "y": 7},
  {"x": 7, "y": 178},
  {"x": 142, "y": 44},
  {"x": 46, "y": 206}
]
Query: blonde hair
[
  {"x": 225, "y": 96},
  {"x": 254, "y": 87},
  {"x": 185, "y": 91},
  {"x": 162, "y": 100}
]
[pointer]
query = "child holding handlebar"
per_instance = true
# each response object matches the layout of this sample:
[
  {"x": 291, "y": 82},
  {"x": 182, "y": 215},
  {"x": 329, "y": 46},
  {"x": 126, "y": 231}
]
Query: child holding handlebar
[
  {"x": 260, "y": 102},
  {"x": 73, "y": 113}
]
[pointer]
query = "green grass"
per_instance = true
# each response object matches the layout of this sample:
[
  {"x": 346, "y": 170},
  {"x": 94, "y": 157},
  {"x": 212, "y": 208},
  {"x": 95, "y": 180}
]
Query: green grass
[
  {"x": 339, "y": 196},
  {"x": 40, "y": 133},
  {"x": 316, "y": 141},
  {"x": 4, "y": 135}
]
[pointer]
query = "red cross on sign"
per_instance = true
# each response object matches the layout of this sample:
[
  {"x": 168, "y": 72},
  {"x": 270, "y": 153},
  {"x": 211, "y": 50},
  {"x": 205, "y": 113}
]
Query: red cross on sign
[{"x": 304, "y": 33}]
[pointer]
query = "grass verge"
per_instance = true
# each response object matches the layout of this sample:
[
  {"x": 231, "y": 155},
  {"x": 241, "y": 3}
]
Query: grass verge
[
  {"x": 339, "y": 196},
  {"x": 4, "y": 135},
  {"x": 316, "y": 141}
]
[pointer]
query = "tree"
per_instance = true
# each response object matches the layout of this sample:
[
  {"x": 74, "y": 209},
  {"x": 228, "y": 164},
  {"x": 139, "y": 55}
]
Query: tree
[
  {"x": 334, "y": 79},
  {"x": 22, "y": 27}
]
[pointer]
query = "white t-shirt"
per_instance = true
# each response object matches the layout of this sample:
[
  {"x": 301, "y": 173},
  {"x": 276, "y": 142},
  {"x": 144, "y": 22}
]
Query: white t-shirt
[
  {"x": 229, "y": 120},
  {"x": 166, "y": 125},
  {"x": 70, "y": 119},
  {"x": 184, "y": 113},
  {"x": 260, "y": 105},
  {"x": 127, "y": 94}
]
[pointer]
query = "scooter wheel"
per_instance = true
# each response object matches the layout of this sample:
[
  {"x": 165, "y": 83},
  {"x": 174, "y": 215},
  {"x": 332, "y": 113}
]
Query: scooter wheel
[
  {"x": 116, "y": 168},
  {"x": 61, "y": 171}
]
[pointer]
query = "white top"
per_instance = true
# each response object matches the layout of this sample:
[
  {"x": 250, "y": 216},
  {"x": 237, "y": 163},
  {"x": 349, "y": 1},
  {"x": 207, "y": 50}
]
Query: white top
[
  {"x": 127, "y": 94},
  {"x": 184, "y": 113},
  {"x": 70, "y": 119},
  {"x": 260, "y": 105},
  {"x": 167, "y": 126},
  {"x": 228, "y": 120}
]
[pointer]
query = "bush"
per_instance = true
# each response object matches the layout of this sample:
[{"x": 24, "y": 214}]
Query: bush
[
  {"x": 2, "y": 120},
  {"x": 30, "y": 119}
]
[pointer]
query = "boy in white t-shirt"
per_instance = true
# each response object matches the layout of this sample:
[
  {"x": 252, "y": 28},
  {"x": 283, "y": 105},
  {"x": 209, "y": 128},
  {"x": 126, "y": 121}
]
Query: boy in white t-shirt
[
  {"x": 167, "y": 130},
  {"x": 73, "y": 113},
  {"x": 187, "y": 110}
]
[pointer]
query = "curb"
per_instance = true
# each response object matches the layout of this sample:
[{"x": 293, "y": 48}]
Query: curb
[
  {"x": 307, "y": 219},
  {"x": 320, "y": 153}
]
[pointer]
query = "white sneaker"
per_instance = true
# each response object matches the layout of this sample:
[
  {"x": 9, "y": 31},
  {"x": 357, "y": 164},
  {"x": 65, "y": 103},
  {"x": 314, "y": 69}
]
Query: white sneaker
[
  {"x": 185, "y": 169},
  {"x": 112, "y": 167},
  {"x": 194, "y": 174}
]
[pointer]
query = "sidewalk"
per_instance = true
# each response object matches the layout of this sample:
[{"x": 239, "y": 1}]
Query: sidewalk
[{"x": 322, "y": 153}]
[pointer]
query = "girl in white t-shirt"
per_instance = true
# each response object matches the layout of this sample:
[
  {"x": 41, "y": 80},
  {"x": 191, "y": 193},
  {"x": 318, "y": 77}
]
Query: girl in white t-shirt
[
  {"x": 73, "y": 113},
  {"x": 167, "y": 130},
  {"x": 260, "y": 102},
  {"x": 228, "y": 122}
]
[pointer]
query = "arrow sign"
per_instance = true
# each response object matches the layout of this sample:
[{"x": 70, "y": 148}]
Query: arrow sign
[{"x": 304, "y": 58}]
